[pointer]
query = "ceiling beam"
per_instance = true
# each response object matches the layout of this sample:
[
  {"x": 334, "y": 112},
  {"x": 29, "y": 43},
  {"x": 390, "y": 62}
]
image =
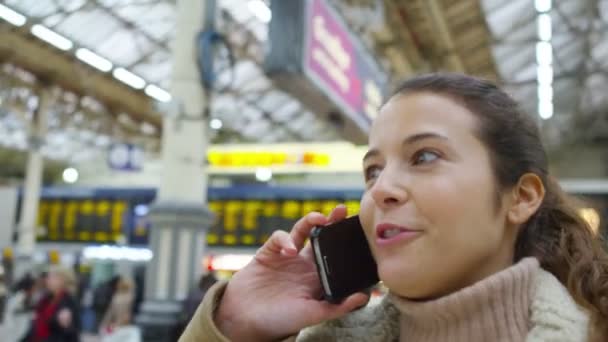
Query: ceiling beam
[
  {"x": 453, "y": 32},
  {"x": 439, "y": 22},
  {"x": 50, "y": 65}
]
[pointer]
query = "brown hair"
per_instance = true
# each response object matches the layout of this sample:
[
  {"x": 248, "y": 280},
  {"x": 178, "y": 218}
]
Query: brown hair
[{"x": 556, "y": 235}]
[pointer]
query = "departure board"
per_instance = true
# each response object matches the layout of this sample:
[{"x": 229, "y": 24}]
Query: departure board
[
  {"x": 82, "y": 220},
  {"x": 250, "y": 222},
  {"x": 243, "y": 216}
]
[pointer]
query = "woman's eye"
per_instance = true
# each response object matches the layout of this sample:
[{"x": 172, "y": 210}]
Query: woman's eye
[
  {"x": 372, "y": 172},
  {"x": 424, "y": 157}
]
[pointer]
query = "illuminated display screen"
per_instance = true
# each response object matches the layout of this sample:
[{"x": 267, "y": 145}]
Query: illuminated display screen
[
  {"x": 256, "y": 158},
  {"x": 250, "y": 222},
  {"x": 82, "y": 220},
  {"x": 244, "y": 216}
]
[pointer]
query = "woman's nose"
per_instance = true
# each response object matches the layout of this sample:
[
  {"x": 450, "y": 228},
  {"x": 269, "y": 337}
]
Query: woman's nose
[{"x": 387, "y": 192}]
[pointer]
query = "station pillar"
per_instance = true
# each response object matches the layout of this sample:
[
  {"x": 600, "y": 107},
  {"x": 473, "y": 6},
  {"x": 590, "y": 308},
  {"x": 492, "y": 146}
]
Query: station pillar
[
  {"x": 30, "y": 194},
  {"x": 179, "y": 215}
]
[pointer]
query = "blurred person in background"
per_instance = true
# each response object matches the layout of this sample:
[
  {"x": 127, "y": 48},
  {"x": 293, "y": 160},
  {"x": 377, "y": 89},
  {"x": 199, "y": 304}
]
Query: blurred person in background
[
  {"x": 139, "y": 274},
  {"x": 3, "y": 294},
  {"x": 8, "y": 265},
  {"x": 194, "y": 299},
  {"x": 19, "y": 309},
  {"x": 117, "y": 323},
  {"x": 102, "y": 295},
  {"x": 473, "y": 238},
  {"x": 85, "y": 298},
  {"x": 39, "y": 290},
  {"x": 56, "y": 317},
  {"x": 119, "y": 312},
  {"x": 196, "y": 294}
]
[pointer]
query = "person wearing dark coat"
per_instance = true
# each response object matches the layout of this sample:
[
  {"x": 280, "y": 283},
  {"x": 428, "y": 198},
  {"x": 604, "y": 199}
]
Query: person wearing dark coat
[
  {"x": 193, "y": 300},
  {"x": 56, "y": 317}
]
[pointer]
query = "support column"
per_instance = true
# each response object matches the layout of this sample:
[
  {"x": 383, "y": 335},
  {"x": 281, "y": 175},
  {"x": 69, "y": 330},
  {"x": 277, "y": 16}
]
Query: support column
[
  {"x": 30, "y": 198},
  {"x": 179, "y": 217}
]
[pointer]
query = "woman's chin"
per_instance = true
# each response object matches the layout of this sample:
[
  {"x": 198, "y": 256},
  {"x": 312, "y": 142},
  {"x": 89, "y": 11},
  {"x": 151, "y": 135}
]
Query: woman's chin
[{"x": 402, "y": 282}]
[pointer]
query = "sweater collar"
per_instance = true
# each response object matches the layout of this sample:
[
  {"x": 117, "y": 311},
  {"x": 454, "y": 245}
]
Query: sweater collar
[{"x": 494, "y": 309}]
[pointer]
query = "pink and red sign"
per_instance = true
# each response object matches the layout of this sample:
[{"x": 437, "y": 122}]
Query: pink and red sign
[{"x": 337, "y": 63}]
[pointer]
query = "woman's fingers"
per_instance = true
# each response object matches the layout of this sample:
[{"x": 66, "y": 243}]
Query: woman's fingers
[
  {"x": 289, "y": 244},
  {"x": 328, "y": 311},
  {"x": 301, "y": 230},
  {"x": 279, "y": 242},
  {"x": 338, "y": 214},
  {"x": 306, "y": 252},
  {"x": 351, "y": 303}
]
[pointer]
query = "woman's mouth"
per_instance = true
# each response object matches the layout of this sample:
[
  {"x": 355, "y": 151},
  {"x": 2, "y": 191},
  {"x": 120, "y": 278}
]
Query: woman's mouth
[{"x": 389, "y": 234}]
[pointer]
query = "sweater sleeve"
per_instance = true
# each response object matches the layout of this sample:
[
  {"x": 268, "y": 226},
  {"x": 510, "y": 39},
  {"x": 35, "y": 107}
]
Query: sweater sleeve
[{"x": 202, "y": 326}]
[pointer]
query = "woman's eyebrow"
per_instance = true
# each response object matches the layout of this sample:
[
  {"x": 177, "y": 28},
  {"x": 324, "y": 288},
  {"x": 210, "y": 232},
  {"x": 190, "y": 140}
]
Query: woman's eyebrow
[{"x": 371, "y": 153}]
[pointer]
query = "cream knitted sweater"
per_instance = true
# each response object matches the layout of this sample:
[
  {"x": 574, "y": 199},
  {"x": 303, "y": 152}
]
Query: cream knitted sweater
[{"x": 520, "y": 303}]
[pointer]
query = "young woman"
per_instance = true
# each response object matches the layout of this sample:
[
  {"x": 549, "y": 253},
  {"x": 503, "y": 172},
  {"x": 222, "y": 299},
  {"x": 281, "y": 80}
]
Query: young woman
[{"x": 473, "y": 238}]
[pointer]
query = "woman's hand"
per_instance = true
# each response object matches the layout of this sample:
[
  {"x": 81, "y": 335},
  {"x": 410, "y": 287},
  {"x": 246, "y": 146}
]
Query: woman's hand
[
  {"x": 278, "y": 293},
  {"x": 64, "y": 318}
]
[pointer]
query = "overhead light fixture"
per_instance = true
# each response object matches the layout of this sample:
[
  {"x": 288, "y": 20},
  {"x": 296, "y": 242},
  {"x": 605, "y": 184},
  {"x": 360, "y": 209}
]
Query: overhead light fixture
[
  {"x": 158, "y": 93},
  {"x": 545, "y": 109},
  {"x": 545, "y": 27},
  {"x": 260, "y": 10},
  {"x": 52, "y": 37},
  {"x": 545, "y": 92},
  {"x": 12, "y": 16},
  {"x": 544, "y": 74},
  {"x": 215, "y": 123},
  {"x": 544, "y": 53},
  {"x": 70, "y": 175},
  {"x": 141, "y": 210},
  {"x": 93, "y": 59},
  {"x": 543, "y": 5},
  {"x": 129, "y": 78},
  {"x": 544, "y": 59},
  {"x": 263, "y": 174}
]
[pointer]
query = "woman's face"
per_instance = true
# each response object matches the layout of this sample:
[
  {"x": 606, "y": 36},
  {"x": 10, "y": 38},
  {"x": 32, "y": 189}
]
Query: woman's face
[
  {"x": 430, "y": 208},
  {"x": 54, "y": 282}
]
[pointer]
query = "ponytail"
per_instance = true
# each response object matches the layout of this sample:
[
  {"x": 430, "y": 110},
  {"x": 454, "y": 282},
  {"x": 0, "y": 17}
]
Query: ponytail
[{"x": 566, "y": 246}]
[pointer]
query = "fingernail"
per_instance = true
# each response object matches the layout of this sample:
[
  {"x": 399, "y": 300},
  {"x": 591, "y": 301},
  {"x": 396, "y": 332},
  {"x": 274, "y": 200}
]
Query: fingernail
[{"x": 288, "y": 251}]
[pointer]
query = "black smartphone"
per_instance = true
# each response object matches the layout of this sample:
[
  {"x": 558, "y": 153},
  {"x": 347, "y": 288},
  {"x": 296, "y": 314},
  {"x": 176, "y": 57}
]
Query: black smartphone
[{"x": 343, "y": 258}]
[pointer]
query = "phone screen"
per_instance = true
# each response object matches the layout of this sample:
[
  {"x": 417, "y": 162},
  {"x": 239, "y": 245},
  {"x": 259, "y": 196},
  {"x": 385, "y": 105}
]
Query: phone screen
[{"x": 344, "y": 260}]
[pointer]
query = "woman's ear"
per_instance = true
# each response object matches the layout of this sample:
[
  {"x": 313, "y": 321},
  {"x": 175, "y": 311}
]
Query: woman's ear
[{"x": 527, "y": 197}]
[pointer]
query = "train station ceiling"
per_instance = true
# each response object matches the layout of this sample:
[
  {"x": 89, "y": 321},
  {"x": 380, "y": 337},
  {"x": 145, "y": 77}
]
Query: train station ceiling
[
  {"x": 122, "y": 98},
  {"x": 577, "y": 33}
]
